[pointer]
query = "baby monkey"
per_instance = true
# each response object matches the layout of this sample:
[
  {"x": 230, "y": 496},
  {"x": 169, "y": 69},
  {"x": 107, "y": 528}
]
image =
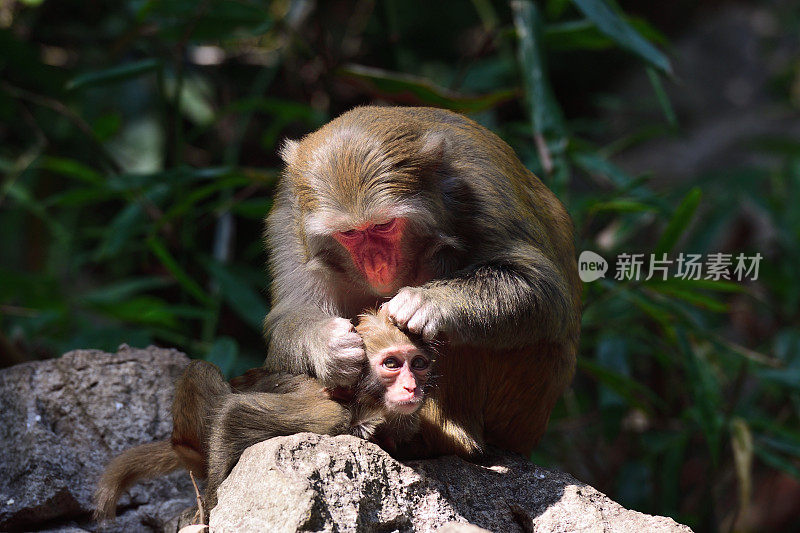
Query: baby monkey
[{"x": 215, "y": 421}]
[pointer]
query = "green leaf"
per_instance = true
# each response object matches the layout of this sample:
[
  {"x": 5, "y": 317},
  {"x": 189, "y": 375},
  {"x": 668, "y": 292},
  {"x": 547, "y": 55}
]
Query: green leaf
[
  {"x": 594, "y": 163},
  {"x": 240, "y": 296},
  {"x": 663, "y": 99},
  {"x": 774, "y": 429},
  {"x": 71, "y": 168},
  {"x": 584, "y": 34},
  {"x": 622, "y": 33},
  {"x": 621, "y": 206},
  {"x": 123, "y": 290},
  {"x": 625, "y": 387},
  {"x": 679, "y": 222},
  {"x": 741, "y": 351},
  {"x": 120, "y": 231},
  {"x": 698, "y": 284},
  {"x": 409, "y": 89},
  {"x": 114, "y": 74},
  {"x": 612, "y": 354},
  {"x": 160, "y": 251},
  {"x": 575, "y": 35},
  {"x": 143, "y": 309},
  {"x": 693, "y": 297},
  {"x": 256, "y": 208},
  {"x": 777, "y": 461},
  {"x": 545, "y": 113},
  {"x": 105, "y": 336},
  {"x": 655, "y": 310},
  {"x": 704, "y": 386},
  {"x": 23, "y": 196},
  {"x": 199, "y": 194},
  {"x": 78, "y": 197}
]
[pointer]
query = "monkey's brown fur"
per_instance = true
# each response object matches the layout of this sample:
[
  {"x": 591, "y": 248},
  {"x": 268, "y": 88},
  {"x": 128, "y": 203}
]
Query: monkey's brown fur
[
  {"x": 198, "y": 390},
  {"x": 142, "y": 462},
  {"x": 487, "y": 260},
  {"x": 214, "y": 421}
]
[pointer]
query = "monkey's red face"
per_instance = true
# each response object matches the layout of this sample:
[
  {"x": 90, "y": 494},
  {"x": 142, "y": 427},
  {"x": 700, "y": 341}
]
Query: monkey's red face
[
  {"x": 376, "y": 249},
  {"x": 403, "y": 371}
]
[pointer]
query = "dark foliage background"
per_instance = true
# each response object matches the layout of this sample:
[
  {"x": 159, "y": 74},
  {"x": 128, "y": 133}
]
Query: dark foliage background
[{"x": 138, "y": 152}]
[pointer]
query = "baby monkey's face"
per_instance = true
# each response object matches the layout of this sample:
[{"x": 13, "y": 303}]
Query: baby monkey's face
[
  {"x": 399, "y": 365},
  {"x": 403, "y": 371}
]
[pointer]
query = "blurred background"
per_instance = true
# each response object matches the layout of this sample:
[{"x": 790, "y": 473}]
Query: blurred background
[{"x": 138, "y": 158}]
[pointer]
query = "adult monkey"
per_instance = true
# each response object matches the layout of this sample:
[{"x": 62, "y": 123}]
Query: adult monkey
[{"x": 435, "y": 213}]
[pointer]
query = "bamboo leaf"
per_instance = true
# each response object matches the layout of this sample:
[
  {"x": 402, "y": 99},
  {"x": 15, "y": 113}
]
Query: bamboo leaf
[
  {"x": 663, "y": 99},
  {"x": 114, "y": 74},
  {"x": 72, "y": 169},
  {"x": 242, "y": 298},
  {"x": 160, "y": 251},
  {"x": 627, "y": 388},
  {"x": 123, "y": 290},
  {"x": 615, "y": 27},
  {"x": 545, "y": 113},
  {"x": 679, "y": 222},
  {"x": 412, "y": 90}
]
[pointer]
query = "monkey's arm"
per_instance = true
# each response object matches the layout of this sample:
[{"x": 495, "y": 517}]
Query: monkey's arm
[
  {"x": 517, "y": 298},
  {"x": 142, "y": 462},
  {"x": 306, "y": 330},
  {"x": 309, "y": 341}
]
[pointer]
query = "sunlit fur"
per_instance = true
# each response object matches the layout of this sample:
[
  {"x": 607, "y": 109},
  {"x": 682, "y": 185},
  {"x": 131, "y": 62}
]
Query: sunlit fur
[
  {"x": 489, "y": 246},
  {"x": 379, "y": 334},
  {"x": 215, "y": 421}
]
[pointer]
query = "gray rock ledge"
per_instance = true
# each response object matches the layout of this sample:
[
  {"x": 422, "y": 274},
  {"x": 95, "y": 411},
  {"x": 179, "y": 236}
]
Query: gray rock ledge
[
  {"x": 62, "y": 420},
  {"x": 308, "y": 482}
]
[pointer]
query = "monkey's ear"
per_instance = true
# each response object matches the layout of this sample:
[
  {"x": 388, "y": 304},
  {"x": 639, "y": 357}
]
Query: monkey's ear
[{"x": 288, "y": 151}]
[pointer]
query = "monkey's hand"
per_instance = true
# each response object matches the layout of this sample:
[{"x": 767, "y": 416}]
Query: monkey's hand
[
  {"x": 413, "y": 309},
  {"x": 346, "y": 355}
]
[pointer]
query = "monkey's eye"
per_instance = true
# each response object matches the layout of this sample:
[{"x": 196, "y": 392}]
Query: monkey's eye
[
  {"x": 351, "y": 236},
  {"x": 392, "y": 363},
  {"x": 385, "y": 227},
  {"x": 420, "y": 363}
]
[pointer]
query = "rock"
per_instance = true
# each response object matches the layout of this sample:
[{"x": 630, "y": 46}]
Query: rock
[
  {"x": 61, "y": 420},
  {"x": 310, "y": 482},
  {"x": 460, "y": 527}
]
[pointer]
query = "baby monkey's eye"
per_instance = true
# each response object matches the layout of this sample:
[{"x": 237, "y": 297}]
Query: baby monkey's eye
[
  {"x": 420, "y": 363},
  {"x": 392, "y": 362},
  {"x": 349, "y": 233}
]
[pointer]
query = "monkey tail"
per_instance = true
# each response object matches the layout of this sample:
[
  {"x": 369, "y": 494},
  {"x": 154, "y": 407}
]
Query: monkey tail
[{"x": 142, "y": 462}]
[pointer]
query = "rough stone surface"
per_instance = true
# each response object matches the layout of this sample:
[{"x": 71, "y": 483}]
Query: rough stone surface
[
  {"x": 61, "y": 420},
  {"x": 309, "y": 482}
]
